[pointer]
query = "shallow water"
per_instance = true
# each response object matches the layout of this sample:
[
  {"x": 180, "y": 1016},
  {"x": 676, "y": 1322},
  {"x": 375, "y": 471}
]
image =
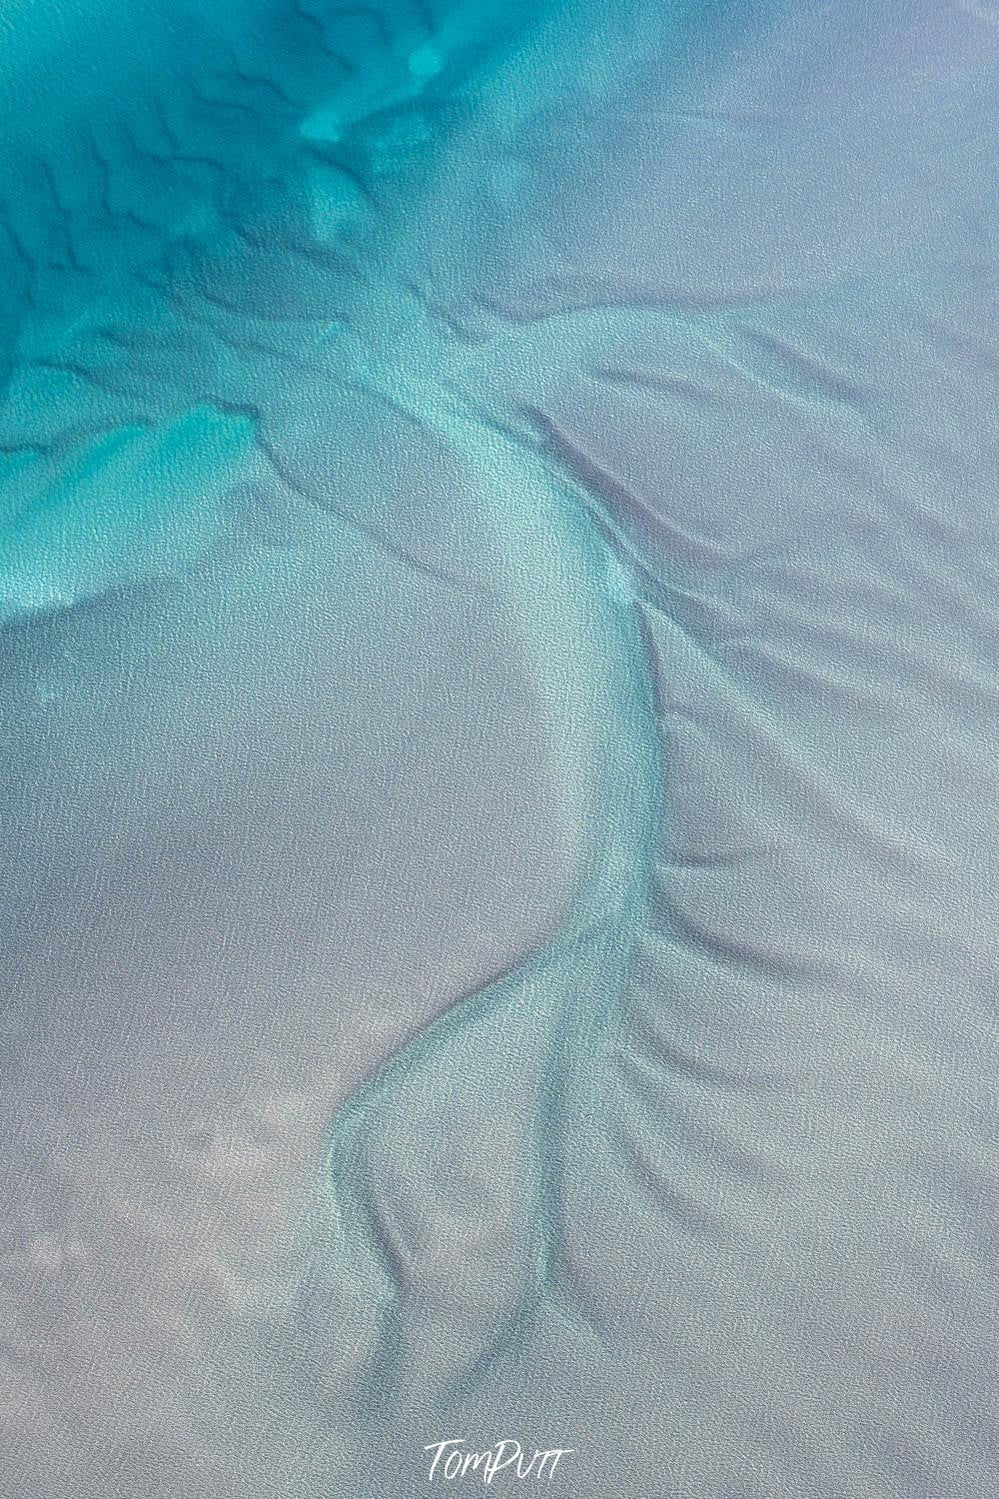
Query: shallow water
[{"x": 499, "y": 698}]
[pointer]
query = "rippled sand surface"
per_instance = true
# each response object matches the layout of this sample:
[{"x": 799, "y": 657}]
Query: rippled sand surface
[{"x": 498, "y": 630}]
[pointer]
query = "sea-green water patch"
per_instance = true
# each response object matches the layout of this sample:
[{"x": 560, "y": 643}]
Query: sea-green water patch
[{"x": 133, "y": 504}]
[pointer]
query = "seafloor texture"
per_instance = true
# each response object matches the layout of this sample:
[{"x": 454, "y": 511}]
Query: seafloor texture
[{"x": 500, "y": 743}]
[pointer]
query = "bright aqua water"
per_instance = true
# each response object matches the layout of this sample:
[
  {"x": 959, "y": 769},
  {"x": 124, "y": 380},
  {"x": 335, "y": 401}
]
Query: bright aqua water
[{"x": 206, "y": 264}]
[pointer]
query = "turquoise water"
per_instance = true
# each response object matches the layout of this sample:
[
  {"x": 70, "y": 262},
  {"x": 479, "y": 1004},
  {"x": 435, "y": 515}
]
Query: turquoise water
[
  {"x": 495, "y": 615},
  {"x": 218, "y": 360}
]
